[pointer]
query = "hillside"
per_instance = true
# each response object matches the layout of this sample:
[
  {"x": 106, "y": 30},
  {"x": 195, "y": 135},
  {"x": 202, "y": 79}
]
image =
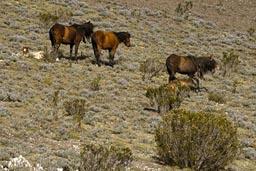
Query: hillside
[{"x": 33, "y": 93}]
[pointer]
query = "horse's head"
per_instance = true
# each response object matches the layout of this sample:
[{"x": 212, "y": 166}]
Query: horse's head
[
  {"x": 87, "y": 28},
  {"x": 127, "y": 41},
  {"x": 212, "y": 64}
]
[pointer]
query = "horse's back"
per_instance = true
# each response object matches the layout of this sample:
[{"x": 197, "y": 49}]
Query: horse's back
[{"x": 105, "y": 39}]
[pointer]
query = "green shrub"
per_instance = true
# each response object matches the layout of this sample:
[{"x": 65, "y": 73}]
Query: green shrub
[
  {"x": 183, "y": 9},
  {"x": 216, "y": 97},
  {"x": 151, "y": 68},
  {"x": 230, "y": 62},
  {"x": 104, "y": 158},
  {"x": 201, "y": 141},
  {"x": 166, "y": 98}
]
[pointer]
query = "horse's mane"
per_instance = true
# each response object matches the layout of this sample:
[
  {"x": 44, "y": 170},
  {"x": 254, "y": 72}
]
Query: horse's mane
[
  {"x": 86, "y": 29},
  {"x": 205, "y": 65},
  {"x": 122, "y": 36}
]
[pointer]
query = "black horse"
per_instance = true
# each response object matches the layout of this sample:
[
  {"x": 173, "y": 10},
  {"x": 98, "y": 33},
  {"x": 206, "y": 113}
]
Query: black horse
[
  {"x": 189, "y": 65},
  {"x": 72, "y": 35}
]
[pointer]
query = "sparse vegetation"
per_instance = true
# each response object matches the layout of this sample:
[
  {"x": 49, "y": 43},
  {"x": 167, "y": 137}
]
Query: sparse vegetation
[
  {"x": 95, "y": 84},
  {"x": 216, "y": 97},
  {"x": 150, "y": 68},
  {"x": 49, "y": 18},
  {"x": 104, "y": 158},
  {"x": 201, "y": 141},
  {"x": 251, "y": 31},
  {"x": 230, "y": 62},
  {"x": 183, "y": 9},
  {"x": 76, "y": 108},
  {"x": 34, "y": 92}
]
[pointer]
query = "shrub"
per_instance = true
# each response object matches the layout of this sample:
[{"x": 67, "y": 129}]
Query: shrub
[
  {"x": 47, "y": 18},
  {"x": 151, "y": 68},
  {"x": 103, "y": 158},
  {"x": 251, "y": 31},
  {"x": 165, "y": 98},
  {"x": 201, "y": 141},
  {"x": 76, "y": 108},
  {"x": 183, "y": 9},
  {"x": 50, "y": 55},
  {"x": 95, "y": 84},
  {"x": 216, "y": 97},
  {"x": 230, "y": 62}
]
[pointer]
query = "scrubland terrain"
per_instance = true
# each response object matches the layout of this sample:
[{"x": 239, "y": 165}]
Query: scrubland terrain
[{"x": 33, "y": 119}]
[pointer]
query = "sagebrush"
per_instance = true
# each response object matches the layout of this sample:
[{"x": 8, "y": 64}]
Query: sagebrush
[
  {"x": 104, "y": 158},
  {"x": 201, "y": 141}
]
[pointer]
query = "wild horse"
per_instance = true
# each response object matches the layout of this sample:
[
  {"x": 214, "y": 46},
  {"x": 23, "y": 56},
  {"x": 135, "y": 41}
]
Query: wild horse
[
  {"x": 72, "y": 35},
  {"x": 189, "y": 65},
  {"x": 108, "y": 41}
]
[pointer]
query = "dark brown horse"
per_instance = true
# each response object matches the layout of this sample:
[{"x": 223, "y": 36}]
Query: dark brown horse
[
  {"x": 72, "y": 35},
  {"x": 108, "y": 41},
  {"x": 189, "y": 65}
]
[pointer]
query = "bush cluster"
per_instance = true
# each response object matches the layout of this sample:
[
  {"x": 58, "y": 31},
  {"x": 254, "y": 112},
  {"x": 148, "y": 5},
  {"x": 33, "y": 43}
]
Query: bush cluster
[
  {"x": 201, "y": 141},
  {"x": 104, "y": 158}
]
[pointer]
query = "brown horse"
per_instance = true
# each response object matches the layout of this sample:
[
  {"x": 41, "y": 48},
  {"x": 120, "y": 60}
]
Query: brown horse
[
  {"x": 189, "y": 65},
  {"x": 108, "y": 41},
  {"x": 72, "y": 35}
]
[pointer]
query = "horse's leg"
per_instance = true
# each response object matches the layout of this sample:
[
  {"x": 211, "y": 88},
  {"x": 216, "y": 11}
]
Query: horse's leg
[
  {"x": 76, "y": 51},
  {"x": 111, "y": 56},
  {"x": 171, "y": 74},
  {"x": 70, "y": 51},
  {"x": 97, "y": 52}
]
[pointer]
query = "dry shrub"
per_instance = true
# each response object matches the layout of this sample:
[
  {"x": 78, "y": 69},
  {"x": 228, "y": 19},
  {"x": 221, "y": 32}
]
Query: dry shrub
[
  {"x": 104, "y": 158},
  {"x": 76, "y": 108},
  {"x": 95, "y": 84},
  {"x": 151, "y": 68},
  {"x": 201, "y": 141},
  {"x": 49, "y": 18},
  {"x": 183, "y": 9},
  {"x": 166, "y": 98},
  {"x": 230, "y": 63},
  {"x": 216, "y": 97}
]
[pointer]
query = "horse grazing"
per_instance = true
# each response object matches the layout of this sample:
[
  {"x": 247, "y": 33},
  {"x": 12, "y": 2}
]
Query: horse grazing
[
  {"x": 189, "y": 65},
  {"x": 108, "y": 41},
  {"x": 72, "y": 35}
]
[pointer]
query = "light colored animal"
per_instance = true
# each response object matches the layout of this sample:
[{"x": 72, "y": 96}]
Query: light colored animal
[
  {"x": 36, "y": 54},
  {"x": 182, "y": 82}
]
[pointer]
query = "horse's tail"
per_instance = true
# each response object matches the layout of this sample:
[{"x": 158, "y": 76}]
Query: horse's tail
[
  {"x": 51, "y": 35},
  {"x": 94, "y": 45},
  {"x": 95, "y": 49},
  {"x": 170, "y": 69}
]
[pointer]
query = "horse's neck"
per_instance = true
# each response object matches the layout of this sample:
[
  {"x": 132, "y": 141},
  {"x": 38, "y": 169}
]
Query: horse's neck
[{"x": 119, "y": 36}]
